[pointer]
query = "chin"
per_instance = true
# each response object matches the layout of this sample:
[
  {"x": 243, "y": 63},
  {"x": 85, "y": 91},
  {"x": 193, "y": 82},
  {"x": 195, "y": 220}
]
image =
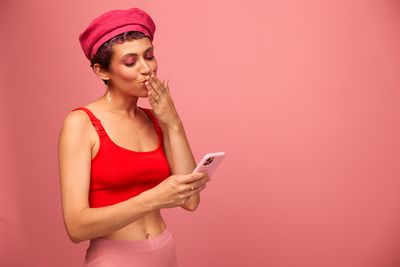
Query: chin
[{"x": 142, "y": 94}]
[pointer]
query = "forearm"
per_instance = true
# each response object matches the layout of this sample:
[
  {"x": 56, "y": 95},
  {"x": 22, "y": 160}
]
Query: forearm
[
  {"x": 181, "y": 155},
  {"x": 182, "y": 160},
  {"x": 96, "y": 222}
]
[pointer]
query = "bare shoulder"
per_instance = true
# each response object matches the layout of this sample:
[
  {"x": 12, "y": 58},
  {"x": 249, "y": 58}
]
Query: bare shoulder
[
  {"x": 76, "y": 125},
  {"x": 76, "y": 118}
]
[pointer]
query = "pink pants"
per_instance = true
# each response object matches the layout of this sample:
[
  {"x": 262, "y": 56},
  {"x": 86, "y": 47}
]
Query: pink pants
[{"x": 158, "y": 251}]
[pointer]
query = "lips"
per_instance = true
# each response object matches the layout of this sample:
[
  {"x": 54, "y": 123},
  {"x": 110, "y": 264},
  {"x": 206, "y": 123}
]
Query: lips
[{"x": 143, "y": 81}]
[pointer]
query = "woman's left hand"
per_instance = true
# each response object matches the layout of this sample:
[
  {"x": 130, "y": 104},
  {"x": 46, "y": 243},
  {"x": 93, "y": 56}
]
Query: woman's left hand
[{"x": 161, "y": 101}]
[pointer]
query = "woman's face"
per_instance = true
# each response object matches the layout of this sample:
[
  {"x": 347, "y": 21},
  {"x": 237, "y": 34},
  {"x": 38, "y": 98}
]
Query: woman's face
[{"x": 132, "y": 62}]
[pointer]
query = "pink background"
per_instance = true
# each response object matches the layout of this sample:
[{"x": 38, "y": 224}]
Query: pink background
[{"x": 303, "y": 96}]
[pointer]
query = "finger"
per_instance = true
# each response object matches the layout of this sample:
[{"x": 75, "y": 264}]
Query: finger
[
  {"x": 151, "y": 98},
  {"x": 156, "y": 80},
  {"x": 189, "y": 178},
  {"x": 196, "y": 191},
  {"x": 196, "y": 184},
  {"x": 206, "y": 177},
  {"x": 151, "y": 90},
  {"x": 191, "y": 187},
  {"x": 195, "y": 177},
  {"x": 160, "y": 86},
  {"x": 155, "y": 86},
  {"x": 149, "y": 86},
  {"x": 166, "y": 85}
]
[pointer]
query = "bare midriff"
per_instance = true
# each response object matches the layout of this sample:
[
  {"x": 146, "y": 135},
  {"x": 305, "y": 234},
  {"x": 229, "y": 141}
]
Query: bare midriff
[
  {"x": 146, "y": 227},
  {"x": 150, "y": 225}
]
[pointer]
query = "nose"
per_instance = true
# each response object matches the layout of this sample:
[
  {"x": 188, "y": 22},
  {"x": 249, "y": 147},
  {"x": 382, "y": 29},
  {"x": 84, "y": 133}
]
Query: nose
[{"x": 145, "y": 68}]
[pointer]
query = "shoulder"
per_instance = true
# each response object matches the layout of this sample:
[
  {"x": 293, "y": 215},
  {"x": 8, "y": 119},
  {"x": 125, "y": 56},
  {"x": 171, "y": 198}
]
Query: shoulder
[
  {"x": 77, "y": 119},
  {"x": 77, "y": 127}
]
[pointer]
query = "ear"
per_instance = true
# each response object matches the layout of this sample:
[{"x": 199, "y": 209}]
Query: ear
[{"x": 100, "y": 72}]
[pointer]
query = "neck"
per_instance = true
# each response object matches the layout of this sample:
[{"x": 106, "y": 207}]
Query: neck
[{"x": 123, "y": 104}]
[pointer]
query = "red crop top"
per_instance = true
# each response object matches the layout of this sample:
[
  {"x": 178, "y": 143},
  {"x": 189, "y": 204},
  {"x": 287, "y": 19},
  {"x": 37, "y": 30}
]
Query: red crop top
[{"x": 117, "y": 173}]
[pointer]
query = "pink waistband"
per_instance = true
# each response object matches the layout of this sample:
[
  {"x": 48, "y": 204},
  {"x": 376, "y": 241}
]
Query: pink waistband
[{"x": 129, "y": 245}]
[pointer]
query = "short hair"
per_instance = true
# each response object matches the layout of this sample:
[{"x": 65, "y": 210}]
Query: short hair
[{"x": 104, "y": 53}]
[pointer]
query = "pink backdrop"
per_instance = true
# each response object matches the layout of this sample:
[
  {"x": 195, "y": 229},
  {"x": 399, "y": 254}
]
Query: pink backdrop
[{"x": 302, "y": 95}]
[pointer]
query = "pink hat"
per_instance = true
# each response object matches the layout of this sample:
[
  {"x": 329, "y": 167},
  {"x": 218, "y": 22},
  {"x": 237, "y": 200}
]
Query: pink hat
[{"x": 112, "y": 23}]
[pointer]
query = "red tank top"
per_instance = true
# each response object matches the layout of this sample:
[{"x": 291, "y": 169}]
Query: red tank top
[{"x": 117, "y": 173}]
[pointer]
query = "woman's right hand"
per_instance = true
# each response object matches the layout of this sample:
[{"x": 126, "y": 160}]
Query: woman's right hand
[{"x": 177, "y": 189}]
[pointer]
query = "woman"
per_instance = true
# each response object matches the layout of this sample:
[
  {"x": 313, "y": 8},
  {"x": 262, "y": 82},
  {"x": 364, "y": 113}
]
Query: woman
[{"x": 120, "y": 163}]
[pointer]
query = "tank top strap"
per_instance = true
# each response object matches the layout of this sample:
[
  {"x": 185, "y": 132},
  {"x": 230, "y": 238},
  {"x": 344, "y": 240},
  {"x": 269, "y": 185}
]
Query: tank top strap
[
  {"x": 95, "y": 121},
  {"x": 153, "y": 119}
]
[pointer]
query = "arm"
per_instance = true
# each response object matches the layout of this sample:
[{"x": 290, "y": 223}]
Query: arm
[
  {"x": 180, "y": 157},
  {"x": 81, "y": 221},
  {"x": 176, "y": 145}
]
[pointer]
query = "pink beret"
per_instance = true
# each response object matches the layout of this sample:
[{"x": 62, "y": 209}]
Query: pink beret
[{"x": 112, "y": 23}]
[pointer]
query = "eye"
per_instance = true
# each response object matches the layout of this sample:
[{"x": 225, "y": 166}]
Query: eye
[{"x": 130, "y": 64}]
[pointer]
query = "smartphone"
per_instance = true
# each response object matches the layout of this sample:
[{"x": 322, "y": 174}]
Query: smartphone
[{"x": 209, "y": 163}]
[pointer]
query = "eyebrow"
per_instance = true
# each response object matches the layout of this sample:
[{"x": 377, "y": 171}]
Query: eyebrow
[{"x": 134, "y": 54}]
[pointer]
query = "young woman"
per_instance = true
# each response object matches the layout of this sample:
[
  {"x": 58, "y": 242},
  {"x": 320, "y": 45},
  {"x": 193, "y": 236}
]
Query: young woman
[{"x": 121, "y": 163}]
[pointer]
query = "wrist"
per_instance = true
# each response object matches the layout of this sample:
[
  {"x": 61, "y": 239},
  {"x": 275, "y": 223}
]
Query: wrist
[
  {"x": 148, "y": 201},
  {"x": 174, "y": 126}
]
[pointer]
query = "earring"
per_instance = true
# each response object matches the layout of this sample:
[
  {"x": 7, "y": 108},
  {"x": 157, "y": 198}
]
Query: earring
[{"x": 108, "y": 94}]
